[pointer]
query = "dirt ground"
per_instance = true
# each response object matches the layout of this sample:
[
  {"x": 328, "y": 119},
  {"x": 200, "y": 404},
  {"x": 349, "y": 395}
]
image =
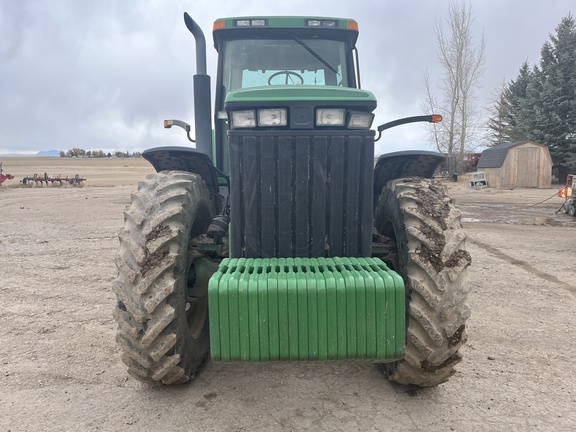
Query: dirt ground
[{"x": 60, "y": 368}]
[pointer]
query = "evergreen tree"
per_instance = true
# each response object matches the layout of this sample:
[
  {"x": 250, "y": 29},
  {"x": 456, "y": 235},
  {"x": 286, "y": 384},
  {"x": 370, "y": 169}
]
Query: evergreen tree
[
  {"x": 559, "y": 92},
  {"x": 545, "y": 106},
  {"x": 499, "y": 120},
  {"x": 515, "y": 95},
  {"x": 530, "y": 115}
]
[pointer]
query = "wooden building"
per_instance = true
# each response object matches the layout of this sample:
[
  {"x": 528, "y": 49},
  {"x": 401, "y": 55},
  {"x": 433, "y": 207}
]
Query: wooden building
[{"x": 515, "y": 165}]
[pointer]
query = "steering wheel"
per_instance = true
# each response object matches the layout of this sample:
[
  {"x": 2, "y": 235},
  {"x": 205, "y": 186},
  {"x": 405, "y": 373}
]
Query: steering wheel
[{"x": 288, "y": 74}]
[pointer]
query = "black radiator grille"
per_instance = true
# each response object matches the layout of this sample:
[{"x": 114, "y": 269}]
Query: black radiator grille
[{"x": 301, "y": 195}]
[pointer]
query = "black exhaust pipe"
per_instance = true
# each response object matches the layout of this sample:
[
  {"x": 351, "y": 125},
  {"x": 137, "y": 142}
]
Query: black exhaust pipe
[{"x": 202, "y": 99}]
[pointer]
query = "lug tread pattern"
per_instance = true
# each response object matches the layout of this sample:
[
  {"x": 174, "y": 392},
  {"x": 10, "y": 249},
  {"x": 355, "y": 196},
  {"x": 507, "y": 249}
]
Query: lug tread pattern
[
  {"x": 168, "y": 209},
  {"x": 433, "y": 263}
]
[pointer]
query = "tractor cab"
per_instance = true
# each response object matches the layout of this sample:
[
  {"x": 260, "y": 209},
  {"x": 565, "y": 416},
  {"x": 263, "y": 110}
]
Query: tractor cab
[
  {"x": 281, "y": 73},
  {"x": 285, "y": 51}
]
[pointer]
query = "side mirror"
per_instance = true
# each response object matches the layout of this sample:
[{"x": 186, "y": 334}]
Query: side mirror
[{"x": 169, "y": 123}]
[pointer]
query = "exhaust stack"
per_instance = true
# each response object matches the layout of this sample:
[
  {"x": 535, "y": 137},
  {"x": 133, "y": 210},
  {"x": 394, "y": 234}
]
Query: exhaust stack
[{"x": 202, "y": 99}]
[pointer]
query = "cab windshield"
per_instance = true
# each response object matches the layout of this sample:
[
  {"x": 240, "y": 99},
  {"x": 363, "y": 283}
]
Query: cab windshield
[{"x": 269, "y": 62}]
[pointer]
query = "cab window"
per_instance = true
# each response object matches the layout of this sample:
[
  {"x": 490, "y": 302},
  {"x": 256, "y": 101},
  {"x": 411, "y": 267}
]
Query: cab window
[{"x": 269, "y": 62}]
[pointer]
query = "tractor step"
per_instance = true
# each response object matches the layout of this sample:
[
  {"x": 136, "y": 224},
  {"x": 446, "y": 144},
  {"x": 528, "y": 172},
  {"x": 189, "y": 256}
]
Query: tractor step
[{"x": 264, "y": 309}]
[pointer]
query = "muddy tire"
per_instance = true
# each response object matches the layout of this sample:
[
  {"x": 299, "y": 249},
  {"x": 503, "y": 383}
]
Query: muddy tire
[
  {"x": 162, "y": 309},
  {"x": 431, "y": 258}
]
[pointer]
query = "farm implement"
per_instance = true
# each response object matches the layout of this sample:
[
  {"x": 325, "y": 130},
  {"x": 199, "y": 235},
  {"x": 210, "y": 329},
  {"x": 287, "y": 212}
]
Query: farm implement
[
  {"x": 4, "y": 177},
  {"x": 73, "y": 180},
  {"x": 568, "y": 192}
]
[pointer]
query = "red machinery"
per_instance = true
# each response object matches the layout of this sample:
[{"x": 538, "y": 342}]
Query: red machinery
[{"x": 4, "y": 177}]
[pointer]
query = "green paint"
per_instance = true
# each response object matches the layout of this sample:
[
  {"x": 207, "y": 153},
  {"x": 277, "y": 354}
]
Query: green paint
[
  {"x": 309, "y": 93},
  {"x": 306, "y": 309}
]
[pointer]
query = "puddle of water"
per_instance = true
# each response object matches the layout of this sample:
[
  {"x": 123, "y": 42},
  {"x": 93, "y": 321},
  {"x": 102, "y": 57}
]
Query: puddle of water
[
  {"x": 471, "y": 220},
  {"x": 476, "y": 220}
]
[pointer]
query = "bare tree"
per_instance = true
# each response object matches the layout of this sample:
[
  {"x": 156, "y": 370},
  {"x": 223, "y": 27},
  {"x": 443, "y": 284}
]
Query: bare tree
[{"x": 462, "y": 64}]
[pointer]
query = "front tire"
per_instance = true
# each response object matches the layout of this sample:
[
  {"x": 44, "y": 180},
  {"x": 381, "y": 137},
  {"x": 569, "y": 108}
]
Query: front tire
[
  {"x": 430, "y": 255},
  {"x": 162, "y": 307}
]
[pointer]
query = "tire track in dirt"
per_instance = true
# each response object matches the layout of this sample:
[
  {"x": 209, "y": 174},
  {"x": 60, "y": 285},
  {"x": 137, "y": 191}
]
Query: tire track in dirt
[{"x": 523, "y": 264}]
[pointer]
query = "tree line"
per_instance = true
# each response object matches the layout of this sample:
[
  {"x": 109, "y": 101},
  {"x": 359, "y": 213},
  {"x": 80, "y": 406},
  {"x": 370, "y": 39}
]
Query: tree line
[
  {"x": 78, "y": 152},
  {"x": 540, "y": 104}
]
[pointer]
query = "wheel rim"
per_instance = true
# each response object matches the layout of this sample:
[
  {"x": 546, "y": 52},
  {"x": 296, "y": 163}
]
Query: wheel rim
[
  {"x": 389, "y": 231},
  {"x": 196, "y": 301},
  {"x": 196, "y": 312}
]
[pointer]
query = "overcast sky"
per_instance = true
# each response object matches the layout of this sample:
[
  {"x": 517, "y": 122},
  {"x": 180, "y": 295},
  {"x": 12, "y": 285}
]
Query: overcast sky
[{"x": 105, "y": 74}]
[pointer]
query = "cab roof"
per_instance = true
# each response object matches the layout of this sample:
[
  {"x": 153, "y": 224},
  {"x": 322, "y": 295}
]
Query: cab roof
[{"x": 284, "y": 26}]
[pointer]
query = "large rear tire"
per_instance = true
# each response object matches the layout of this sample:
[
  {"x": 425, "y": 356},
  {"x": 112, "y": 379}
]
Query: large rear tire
[
  {"x": 162, "y": 308},
  {"x": 430, "y": 255}
]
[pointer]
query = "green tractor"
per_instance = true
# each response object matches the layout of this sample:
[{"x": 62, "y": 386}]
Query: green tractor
[{"x": 277, "y": 238}]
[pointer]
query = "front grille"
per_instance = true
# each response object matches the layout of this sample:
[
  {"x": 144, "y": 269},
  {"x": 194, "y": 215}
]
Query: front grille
[{"x": 301, "y": 195}]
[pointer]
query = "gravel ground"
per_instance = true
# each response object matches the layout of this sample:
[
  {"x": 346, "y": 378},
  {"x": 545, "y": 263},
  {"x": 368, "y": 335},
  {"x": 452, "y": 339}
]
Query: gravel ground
[{"x": 60, "y": 368}]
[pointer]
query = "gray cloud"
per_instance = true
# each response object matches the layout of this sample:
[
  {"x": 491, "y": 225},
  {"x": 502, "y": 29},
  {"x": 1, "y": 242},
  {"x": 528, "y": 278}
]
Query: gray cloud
[{"x": 105, "y": 74}]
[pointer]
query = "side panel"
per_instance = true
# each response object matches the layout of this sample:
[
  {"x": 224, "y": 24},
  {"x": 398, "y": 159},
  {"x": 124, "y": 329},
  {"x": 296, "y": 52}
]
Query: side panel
[{"x": 300, "y": 195}]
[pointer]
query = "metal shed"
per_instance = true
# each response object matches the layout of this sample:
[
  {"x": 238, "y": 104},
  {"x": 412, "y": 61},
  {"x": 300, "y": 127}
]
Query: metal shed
[{"x": 518, "y": 164}]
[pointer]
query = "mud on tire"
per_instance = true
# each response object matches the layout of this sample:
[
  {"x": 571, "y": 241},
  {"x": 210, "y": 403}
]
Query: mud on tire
[
  {"x": 162, "y": 328},
  {"x": 431, "y": 258}
]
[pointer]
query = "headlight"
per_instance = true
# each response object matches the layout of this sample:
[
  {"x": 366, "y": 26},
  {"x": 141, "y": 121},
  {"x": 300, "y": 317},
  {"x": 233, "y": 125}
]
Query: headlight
[
  {"x": 243, "y": 119},
  {"x": 360, "y": 120},
  {"x": 272, "y": 117},
  {"x": 330, "y": 117}
]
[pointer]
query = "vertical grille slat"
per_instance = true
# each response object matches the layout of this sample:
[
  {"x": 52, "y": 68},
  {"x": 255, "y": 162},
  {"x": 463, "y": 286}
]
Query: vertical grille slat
[
  {"x": 336, "y": 175},
  {"x": 284, "y": 200},
  {"x": 302, "y": 189},
  {"x": 352, "y": 209},
  {"x": 365, "y": 205},
  {"x": 268, "y": 200},
  {"x": 250, "y": 194},
  {"x": 236, "y": 231},
  {"x": 318, "y": 196}
]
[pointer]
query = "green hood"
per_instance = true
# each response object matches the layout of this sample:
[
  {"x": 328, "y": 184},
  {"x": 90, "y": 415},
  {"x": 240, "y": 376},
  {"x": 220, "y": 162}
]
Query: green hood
[{"x": 300, "y": 93}]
